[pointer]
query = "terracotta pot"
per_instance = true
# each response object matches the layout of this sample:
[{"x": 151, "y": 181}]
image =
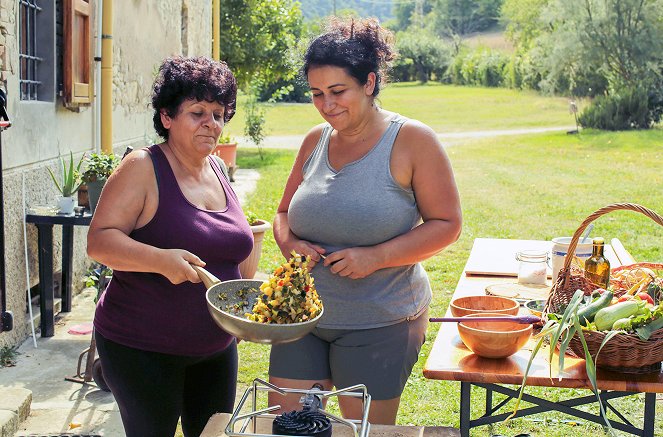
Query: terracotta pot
[
  {"x": 249, "y": 266},
  {"x": 227, "y": 152}
]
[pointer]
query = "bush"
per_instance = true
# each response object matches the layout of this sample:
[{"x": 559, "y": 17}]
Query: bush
[
  {"x": 295, "y": 90},
  {"x": 482, "y": 67},
  {"x": 629, "y": 108}
]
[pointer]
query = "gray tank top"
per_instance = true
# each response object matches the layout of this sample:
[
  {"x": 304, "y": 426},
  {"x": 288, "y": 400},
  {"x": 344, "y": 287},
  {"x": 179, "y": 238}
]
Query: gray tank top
[{"x": 360, "y": 205}]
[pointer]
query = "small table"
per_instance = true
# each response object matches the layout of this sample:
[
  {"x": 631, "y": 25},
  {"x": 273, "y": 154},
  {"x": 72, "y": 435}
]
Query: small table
[
  {"x": 449, "y": 359},
  {"x": 44, "y": 223}
]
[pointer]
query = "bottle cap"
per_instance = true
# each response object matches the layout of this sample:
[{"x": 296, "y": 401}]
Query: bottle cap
[{"x": 598, "y": 240}]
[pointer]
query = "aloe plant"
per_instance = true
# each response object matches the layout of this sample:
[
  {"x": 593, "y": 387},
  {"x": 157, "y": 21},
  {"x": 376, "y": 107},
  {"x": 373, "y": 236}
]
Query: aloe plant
[{"x": 71, "y": 177}]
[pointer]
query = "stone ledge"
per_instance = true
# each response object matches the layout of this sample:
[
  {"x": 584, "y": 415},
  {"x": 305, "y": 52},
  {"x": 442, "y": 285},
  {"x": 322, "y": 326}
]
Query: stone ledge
[
  {"x": 17, "y": 401},
  {"x": 8, "y": 423}
]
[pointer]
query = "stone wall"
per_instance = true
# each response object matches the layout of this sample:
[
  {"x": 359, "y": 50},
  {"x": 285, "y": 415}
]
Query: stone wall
[{"x": 144, "y": 33}]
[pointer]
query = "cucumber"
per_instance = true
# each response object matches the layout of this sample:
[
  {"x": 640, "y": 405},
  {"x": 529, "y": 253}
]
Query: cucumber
[
  {"x": 606, "y": 317},
  {"x": 622, "y": 324},
  {"x": 587, "y": 313}
]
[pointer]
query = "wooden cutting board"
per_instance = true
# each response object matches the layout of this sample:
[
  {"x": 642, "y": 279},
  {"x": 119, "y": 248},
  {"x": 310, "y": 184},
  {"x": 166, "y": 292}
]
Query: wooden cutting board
[
  {"x": 484, "y": 261},
  {"x": 521, "y": 292}
]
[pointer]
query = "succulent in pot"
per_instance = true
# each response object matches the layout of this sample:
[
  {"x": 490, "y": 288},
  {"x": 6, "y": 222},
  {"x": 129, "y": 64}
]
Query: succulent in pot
[
  {"x": 98, "y": 168},
  {"x": 68, "y": 184}
]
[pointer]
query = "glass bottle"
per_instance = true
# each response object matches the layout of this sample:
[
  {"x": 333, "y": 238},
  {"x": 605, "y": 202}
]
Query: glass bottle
[{"x": 597, "y": 267}]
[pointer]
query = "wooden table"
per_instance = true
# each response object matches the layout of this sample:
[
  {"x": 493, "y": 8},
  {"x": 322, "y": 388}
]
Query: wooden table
[{"x": 450, "y": 360}]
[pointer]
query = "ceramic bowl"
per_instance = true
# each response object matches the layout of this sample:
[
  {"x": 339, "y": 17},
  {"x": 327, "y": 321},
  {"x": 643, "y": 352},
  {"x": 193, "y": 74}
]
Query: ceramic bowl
[
  {"x": 535, "y": 306},
  {"x": 463, "y": 306},
  {"x": 494, "y": 339}
]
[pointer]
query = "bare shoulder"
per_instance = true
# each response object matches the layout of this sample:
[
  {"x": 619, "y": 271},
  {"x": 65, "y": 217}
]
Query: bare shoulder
[
  {"x": 418, "y": 135},
  {"x": 310, "y": 141}
]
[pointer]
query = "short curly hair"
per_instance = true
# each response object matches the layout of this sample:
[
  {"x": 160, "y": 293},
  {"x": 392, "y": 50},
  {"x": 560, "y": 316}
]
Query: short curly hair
[
  {"x": 201, "y": 78},
  {"x": 360, "y": 46}
]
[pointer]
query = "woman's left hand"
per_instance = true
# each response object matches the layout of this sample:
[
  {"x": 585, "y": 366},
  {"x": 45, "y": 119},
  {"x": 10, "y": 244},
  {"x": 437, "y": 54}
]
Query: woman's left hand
[{"x": 355, "y": 262}]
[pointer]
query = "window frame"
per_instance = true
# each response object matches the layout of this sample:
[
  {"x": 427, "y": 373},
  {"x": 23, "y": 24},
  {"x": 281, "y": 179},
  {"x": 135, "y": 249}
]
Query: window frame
[{"x": 77, "y": 49}]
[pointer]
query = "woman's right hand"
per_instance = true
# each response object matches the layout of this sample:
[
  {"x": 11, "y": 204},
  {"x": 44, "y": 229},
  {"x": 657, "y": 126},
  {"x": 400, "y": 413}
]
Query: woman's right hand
[
  {"x": 305, "y": 248},
  {"x": 177, "y": 268}
]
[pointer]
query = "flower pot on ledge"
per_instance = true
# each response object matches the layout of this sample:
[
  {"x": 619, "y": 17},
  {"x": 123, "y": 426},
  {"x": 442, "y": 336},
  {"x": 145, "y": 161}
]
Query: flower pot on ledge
[
  {"x": 227, "y": 152},
  {"x": 249, "y": 266}
]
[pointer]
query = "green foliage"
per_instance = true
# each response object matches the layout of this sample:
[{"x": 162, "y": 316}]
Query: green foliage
[
  {"x": 71, "y": 176},
  {"x": 257, "y": 39},
  {"x": 591, "y": 47},
  {"x": 480, "y": 67},
  {"x": 251, "y": 217},
  {"x": 462, "y": 17},
  {"x": 8, "y": 356},
  {"x": 254, "y": 124},
  {"x": 626, "y": 109},
  {"x": 97, "y": 277},
  {"x": 225, "y": 137},
  {"x": 99, "y": 166},
  {"x": 422, "y": 55}
]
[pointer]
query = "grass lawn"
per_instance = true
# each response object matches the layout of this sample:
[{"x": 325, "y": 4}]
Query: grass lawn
[
  {"x": 445, "y": 108},
  {"x": 528, "y": 187}
]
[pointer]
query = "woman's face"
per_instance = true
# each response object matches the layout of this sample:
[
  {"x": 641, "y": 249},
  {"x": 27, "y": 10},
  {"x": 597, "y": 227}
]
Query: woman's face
[
  {"x": 196, "y": 126},
  {"x": 341, "y": 100}
]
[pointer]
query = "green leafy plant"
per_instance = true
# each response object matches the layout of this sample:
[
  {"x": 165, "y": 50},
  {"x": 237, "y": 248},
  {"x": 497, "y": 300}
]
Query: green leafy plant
[
  {"x": 95, "y": 277},
  {"x": 99, "y": 166},
  {"x": 8, "y": 356},
  {"x": 251, "y": 217},
  {"x": 561, "y": 330},
  {"x": 254, "y": 126},
  {"x": 226, "y": 138},
  {"x": 71, "y": 176}
]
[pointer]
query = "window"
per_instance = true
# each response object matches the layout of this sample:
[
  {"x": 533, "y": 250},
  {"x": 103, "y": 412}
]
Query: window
[
  {"x": 37, "y": 50},
  {"x": 38, "y": 53}
]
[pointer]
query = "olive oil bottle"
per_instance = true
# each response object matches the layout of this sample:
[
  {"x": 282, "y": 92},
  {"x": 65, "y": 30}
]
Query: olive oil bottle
[{"x": 597, "y": 267}]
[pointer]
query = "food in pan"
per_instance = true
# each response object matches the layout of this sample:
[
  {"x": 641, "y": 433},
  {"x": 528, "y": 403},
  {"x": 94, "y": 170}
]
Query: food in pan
[{"x": 288, "y": 296}]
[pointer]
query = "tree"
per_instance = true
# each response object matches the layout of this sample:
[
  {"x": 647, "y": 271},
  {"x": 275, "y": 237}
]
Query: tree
[
  {"x": 427, "y": 52},
  {"x": 462, "y": 17},
  {"x": 257, "y": 37}
]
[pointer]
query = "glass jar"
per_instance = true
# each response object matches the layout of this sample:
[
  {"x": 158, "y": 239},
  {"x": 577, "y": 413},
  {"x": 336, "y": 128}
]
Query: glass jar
[{"x": 533, "y": 267}]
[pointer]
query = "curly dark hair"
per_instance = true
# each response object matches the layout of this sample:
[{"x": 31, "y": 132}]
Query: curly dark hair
[
  {"x": 199, "y": 78},
  {"x": 360, "y": 46}
]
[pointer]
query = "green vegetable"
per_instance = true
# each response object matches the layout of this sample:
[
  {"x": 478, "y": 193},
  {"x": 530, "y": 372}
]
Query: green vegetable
[
  {"x": 655, "y": 291},
  {"x": 644, "y": 332},
  {"x": 587, "y": 313},
  {"x": 624, "y": 324},
  {"x": 606, "y": 317}
]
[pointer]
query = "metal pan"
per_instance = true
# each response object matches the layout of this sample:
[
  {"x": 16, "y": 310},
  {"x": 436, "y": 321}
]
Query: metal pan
[{"x": 227, "y": 308}]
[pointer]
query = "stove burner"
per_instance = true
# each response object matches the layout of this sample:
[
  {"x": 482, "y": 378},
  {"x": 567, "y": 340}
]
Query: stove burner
[{"x": 305, "y": 423}]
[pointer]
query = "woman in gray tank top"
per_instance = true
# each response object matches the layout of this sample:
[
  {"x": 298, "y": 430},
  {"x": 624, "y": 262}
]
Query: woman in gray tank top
[{"x": 370, "y": 196}]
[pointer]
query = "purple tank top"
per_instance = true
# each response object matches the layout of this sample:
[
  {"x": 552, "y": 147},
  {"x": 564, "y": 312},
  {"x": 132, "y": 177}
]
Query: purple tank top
[{"x": 145, "y": 310}]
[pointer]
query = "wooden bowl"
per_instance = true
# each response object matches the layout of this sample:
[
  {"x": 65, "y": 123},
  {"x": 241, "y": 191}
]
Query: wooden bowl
[
  {"x": 494, "y": 339},
  {"x": 463, "y": 306}
]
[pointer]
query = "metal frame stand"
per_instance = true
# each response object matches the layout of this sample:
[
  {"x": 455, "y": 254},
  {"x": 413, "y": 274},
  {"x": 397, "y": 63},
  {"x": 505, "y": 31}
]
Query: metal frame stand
[
  {"x": 542, "y": 405},
  {"x": 360, "y": 428}
]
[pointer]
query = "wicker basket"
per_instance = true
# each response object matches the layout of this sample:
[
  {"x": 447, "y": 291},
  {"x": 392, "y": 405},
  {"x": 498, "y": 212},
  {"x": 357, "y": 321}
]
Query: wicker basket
[{"x": 625, "y": 353}]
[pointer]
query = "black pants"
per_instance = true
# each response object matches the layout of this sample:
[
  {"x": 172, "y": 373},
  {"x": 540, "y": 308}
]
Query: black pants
[{"x": 153, "y": 389}]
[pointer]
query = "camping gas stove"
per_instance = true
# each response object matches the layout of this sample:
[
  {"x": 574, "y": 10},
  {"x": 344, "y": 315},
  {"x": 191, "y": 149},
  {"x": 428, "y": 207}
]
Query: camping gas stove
[{"x": 311, "y": 420}]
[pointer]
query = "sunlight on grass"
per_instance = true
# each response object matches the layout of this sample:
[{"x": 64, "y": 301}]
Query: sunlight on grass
[
  {"x": 445, "y": 108},
  {"x": 528, "y": 187}
]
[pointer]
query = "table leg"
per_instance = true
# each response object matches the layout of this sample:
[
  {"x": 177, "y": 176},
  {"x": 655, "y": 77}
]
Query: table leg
[
  {"x": 465, "y": 404},
  {"x": 67, "y": 265},
  {"x": 650, "y": 415},
  {"x": 46, "y": 298},
  {"x": 489, "y": 401}
]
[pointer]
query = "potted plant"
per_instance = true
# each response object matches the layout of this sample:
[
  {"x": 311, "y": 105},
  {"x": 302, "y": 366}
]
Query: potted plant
[
  {"x": 99, "y": 167},
  {"x": 68, "y": 184},
  {"x": 226, "y": 149},
  {"x": 249, "y": 266}
]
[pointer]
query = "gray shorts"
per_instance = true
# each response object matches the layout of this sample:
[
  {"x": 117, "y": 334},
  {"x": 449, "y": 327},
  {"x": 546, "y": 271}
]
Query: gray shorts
[{"x": 380, "y": 358}]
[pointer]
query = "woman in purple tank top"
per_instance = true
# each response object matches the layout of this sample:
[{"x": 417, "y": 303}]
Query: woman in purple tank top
[{"x": 165, "y": 208}]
